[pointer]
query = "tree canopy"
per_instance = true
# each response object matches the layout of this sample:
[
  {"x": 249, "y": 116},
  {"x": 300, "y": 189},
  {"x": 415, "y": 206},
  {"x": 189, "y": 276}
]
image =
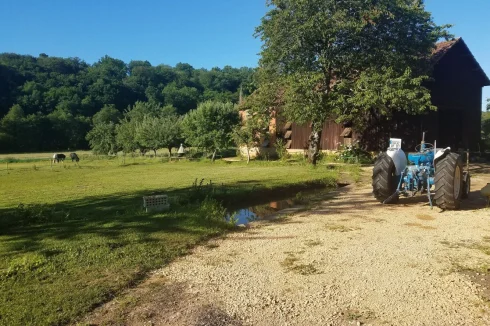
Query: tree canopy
[
  {"x": 160, "y": 132},
  {"x": 346, "y": 60},
  {"x": 211, "y": 125},
  {"x": 61, "y": 98}
]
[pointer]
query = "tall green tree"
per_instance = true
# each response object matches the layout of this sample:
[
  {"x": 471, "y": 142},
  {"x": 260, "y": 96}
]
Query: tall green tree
[
  {"x": 139, "y": 110},
  {"x": 250, "y": 132},
  {"x": 67, "y": 130},
  {"x": 211, "y": 125},
  {"x": 13, "y": 125},
  {"x": 159, "y": 132},
  {"x": 183, "y": 99},
  {"x": 126, "y": 137},
  {"x": 347, "y": 59},
  {"x": 102, "y": 139},
  {"x": 107, "y": 114}
]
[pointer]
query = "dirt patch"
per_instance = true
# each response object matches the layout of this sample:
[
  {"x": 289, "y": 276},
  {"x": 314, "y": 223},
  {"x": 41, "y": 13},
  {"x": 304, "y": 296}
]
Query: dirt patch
[
  {"x": 155, "y": 299},
  {"x": 291, "y": 264},
  {"x": 313, "y": 243},
  {"x": 211, "y": 315},
  {"x": 425, "y": 217},
  {"x": 358, "y": 317},
  {"x": 340, "y": 228},
  {"x": 482, "y": 279},
  {"x": 418, "y": 225}
]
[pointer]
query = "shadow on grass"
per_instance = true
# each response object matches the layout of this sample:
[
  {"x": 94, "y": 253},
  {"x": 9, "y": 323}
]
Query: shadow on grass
[{"x": 111, "y": 216}]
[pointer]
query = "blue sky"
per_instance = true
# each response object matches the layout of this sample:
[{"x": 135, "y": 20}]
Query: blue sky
[{"x": 204, "y": 33}]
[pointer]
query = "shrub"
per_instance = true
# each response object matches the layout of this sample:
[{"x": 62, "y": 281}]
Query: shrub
[
  {"x": 281, "y": 150},
  {"x": 212, "y": 210},
  {"x": 354, "y": 154}
]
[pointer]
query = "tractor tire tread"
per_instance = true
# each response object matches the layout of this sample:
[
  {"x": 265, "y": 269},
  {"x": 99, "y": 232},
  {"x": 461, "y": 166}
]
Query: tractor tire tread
[
  {"x": 383, "y": 186},
  {"x": 444, "y": 182}
]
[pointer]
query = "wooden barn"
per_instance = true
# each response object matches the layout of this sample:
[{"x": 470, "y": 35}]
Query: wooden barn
[{"x": 456, "y": 91}]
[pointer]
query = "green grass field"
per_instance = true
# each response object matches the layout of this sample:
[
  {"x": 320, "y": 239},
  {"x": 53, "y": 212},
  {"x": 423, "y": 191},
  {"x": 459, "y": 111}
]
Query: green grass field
[{"x": 80, "y": 235}]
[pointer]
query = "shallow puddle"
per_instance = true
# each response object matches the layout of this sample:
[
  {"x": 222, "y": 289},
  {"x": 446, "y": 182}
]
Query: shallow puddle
[
  {"x": 268, "y": 208},
  {"x": 258, "y": 212}
]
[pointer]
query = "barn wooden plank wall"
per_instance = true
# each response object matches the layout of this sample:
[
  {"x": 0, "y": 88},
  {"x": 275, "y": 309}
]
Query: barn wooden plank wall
[{"x": 330, "y": 137}]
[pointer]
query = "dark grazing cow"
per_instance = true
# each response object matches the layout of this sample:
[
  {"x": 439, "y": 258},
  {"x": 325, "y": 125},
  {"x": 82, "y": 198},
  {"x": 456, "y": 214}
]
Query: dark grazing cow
[
  {"x": 58, "y": 157},
  {"x": 74, "y": 157}
]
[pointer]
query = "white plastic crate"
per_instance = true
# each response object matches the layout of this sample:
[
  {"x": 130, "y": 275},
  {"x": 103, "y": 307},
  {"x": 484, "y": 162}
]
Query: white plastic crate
[{"x": 156, "y": 203}]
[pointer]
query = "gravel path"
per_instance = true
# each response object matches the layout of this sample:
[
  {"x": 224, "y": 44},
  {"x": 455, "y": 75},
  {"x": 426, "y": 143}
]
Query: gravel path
[{"x": 350, "y": 261}]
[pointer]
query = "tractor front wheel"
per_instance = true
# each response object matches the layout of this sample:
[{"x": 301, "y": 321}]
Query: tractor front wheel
[
  {"x": 449, "y": 182},
  {"x": 384, "y": 179}
]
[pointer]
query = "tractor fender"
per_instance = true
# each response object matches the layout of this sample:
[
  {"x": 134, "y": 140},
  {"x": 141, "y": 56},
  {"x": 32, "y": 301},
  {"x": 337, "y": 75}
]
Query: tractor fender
[
  {"x": 399, "y": 159},
  {"x": 441, "y": 152}
]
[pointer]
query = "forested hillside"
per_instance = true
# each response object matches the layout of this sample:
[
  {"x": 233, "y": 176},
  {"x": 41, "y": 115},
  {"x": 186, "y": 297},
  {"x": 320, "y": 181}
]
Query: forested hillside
[{"x": 47, "y": 103}]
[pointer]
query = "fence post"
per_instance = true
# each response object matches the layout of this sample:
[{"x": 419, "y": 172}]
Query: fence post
[{"x": 7, "y": 167}]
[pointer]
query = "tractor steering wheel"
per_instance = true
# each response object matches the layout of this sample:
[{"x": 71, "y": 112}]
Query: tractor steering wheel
[{"x": 428, "y": 147}]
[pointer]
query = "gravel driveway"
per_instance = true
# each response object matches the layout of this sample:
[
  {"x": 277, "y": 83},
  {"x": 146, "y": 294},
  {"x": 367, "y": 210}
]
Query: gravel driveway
[{"x": 349, "y": 261}]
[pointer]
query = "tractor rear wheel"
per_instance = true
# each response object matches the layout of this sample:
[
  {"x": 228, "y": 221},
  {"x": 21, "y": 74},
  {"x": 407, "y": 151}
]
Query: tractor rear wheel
[
  {"x": 449, "y": 182},
  {"x": 384, "y": 179}
]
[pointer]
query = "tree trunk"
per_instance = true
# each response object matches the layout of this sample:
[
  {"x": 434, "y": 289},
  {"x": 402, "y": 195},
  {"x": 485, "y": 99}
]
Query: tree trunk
[
  {"x": 214, "y": 156},
  {"x": 155, "y": 151},
  {"x": 248, "y": 155},
  {"x": 314, "y": 144}
]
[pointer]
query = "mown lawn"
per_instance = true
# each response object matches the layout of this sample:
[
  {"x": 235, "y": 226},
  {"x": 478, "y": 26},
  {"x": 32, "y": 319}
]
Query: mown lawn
[{"x": 81, "y": 235}]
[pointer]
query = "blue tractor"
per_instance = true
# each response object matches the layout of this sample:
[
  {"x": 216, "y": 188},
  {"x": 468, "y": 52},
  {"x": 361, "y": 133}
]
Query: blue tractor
[{"x": 438, "y": 173}]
